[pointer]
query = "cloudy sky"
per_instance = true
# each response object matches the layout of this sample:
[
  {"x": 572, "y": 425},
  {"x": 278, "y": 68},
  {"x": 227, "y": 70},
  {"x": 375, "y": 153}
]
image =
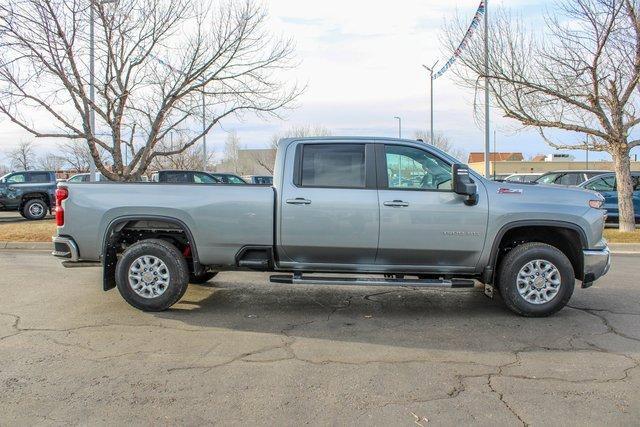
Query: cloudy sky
[{"x": 361, "y": 60}]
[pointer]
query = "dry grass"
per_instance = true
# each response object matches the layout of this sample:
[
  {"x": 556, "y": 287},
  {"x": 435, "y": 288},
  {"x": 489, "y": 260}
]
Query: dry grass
[
  {"x": 615, "y": 236},
  {"x": 27, "y": 231}
]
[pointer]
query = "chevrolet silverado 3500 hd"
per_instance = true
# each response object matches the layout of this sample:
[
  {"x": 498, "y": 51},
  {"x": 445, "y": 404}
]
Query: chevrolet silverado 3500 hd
[{"x": 388, "y": 207}]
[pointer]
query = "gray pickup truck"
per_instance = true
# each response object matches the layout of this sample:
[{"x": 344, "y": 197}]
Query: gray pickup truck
[{"x": 380, "y": 212}]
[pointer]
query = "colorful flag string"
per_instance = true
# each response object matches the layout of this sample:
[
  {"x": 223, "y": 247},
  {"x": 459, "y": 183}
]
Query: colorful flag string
[{"x": 465, "y": 40}]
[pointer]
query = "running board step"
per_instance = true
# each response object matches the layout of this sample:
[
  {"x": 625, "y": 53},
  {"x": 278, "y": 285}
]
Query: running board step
[{"x": 357, "y": 281}]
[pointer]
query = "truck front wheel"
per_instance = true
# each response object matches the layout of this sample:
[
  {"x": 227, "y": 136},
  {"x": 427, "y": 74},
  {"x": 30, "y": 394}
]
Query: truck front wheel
[
  {"x": 536, "y": 280},
  {"x": 152, "y": 275}
]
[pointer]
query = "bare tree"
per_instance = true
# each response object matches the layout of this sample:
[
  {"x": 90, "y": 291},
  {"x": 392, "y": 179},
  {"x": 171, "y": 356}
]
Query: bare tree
[
  {"x": 232, "y": 152},
  {"x": 441, "y": 142},
  {"x": 265, "y": 158},
  {"x": 50, "y": 162},
  {"x": 77, "y": 156},
  {"x": 22, "y": 157},
  {"x": 303, "y": 131},
  {"x": 579, "y": 75},
  {"x": 159, "y": 63},
  {"x": 189, "y": 159}
]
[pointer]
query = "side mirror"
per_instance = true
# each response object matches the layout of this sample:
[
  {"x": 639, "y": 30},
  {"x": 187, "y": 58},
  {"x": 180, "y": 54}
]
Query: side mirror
[{"x": 463, "y": 184}]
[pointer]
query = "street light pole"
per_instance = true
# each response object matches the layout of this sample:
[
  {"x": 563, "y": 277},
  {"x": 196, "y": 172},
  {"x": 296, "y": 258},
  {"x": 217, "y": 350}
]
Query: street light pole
[
  {"x": 204, "y": 134},
  {"x": 92, "y": 88},
  {"x": 399, "y": 126},
  {"x": 430, "y": 69},
  {"x": 487, "y": 129}
]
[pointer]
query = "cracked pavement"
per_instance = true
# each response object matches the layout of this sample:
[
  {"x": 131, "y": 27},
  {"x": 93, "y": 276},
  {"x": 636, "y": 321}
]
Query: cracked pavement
[{"x": 241, "y": 351}]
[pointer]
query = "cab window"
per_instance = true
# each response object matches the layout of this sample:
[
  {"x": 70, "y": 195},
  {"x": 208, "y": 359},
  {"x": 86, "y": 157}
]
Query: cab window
[
  {"x": 39, "y": 177},
  {"x": 333, "y": 165},
  {"x": 548, "y": 179},
  {"x": 16, "y": 178},
  {"x": 412, "y": 168},
  {"x": 607, "y": 183},
  {"x": 570, "y": 179},
  {"x": 235, "y": 180}
]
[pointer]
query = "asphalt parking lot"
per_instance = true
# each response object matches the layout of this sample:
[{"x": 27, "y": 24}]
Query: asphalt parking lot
[
  {"x": 240, "y": 351},
  {"x": 11, "y": 216}
]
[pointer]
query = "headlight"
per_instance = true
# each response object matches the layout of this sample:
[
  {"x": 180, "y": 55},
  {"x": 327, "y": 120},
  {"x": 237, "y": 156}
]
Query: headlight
[{"x": 596, "y": 204}]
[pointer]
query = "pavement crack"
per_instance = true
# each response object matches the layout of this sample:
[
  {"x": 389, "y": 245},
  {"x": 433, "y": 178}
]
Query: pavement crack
[{"x": 605, "y": 321}]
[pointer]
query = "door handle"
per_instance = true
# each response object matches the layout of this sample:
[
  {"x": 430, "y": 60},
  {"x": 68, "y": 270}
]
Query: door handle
[
  {"x": 299, "y": 201},
  {"x": 397, "y": 204}
]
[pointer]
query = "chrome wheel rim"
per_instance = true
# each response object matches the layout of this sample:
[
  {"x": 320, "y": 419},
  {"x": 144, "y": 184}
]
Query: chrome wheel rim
[
  {"x": 539, "y": 282},
  {"x": 36, "y": 209},
  {"x": 149, "y": 276}
]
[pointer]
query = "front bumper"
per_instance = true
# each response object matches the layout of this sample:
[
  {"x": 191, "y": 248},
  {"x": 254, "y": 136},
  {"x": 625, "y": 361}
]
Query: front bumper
[{"x": 596, "y": 264}]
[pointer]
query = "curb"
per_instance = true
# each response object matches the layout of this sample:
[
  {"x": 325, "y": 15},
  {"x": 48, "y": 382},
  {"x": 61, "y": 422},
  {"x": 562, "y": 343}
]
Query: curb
[
  {"x": 616, "y": 248},
  {"x": 40, "y": 246}
]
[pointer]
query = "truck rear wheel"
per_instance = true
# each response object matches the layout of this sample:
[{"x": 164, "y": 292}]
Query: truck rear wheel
[
  {"x": 536, "y": 280},
  {"x": 152, "y": 275},
  {"x": 35, "y": 209}
]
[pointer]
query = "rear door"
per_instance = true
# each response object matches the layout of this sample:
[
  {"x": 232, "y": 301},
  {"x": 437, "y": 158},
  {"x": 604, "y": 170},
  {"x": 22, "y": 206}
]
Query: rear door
[
  {"x": 329, "y": 204},
  {"x": 422, "y": 221}
]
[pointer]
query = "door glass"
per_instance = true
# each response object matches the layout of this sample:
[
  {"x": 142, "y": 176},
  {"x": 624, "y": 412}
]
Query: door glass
[
  {"x": 411, "y": 168},
  {"x": 178, "y": 177},
  {"x": 333, "y": 165},
  {"x": 636, "y": 182},
  {"x": 602, "y": 184},
  {"x": 235, "y": 180},
  {"x": 548, "y": 179},
  {"x": 203, "y": 178},
  {"x": 17, "y": 178}
]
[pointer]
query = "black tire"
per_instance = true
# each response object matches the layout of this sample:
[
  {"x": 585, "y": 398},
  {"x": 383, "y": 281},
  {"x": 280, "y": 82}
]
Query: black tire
[
  {"x": 35, "y": 209},
  {"x": 516, "y": 260},
  {"x": 175, "y": 264},
  {"x": 202, "y": 278}
]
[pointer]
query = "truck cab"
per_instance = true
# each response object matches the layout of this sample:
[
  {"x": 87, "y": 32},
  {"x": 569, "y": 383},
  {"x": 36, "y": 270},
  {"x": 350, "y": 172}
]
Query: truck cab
[{"x": 31, "y": 193}]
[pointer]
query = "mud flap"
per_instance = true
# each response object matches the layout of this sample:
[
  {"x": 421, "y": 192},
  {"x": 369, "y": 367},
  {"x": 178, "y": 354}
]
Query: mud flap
[
  {"x": 488, "y": 291},
  {"x": 109, "y": 269}
]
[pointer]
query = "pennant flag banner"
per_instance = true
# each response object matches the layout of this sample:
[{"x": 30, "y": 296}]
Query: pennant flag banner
[{"x": 465, "y": 40}]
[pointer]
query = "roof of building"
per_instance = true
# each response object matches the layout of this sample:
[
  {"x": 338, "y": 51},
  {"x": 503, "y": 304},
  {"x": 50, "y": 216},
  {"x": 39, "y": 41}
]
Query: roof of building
[{"x": 496, "y": 157}]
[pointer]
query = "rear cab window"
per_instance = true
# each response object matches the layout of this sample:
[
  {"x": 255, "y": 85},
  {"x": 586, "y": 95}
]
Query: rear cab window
[{"x": 333, "y": 166}]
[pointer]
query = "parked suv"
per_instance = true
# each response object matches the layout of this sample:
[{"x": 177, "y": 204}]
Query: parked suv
[{"x": 30, "y": 192}]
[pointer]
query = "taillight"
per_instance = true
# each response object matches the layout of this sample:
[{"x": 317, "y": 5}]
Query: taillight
[{"x": 61, "y": 194}]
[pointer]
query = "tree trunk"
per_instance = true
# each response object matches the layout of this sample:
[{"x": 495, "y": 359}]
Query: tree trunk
[{"x": 622, "y": 164}]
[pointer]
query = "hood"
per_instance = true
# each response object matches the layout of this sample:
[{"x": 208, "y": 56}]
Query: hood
[{"x": 543, "y": 193}]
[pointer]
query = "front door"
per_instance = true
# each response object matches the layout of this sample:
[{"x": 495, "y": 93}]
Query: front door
[
  {"x": 422, "y": 221},
  {"x": 329, "y": 209}
]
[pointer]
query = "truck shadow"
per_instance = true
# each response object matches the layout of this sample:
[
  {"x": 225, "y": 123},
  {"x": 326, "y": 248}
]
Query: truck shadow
[{"x": 412, "y": 318}]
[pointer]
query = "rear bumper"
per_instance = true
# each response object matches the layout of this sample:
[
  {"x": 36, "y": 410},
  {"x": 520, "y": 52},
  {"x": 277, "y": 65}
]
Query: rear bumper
[
  {"x": 596, "y": 264},
  {"x": 65, "y": 247}
]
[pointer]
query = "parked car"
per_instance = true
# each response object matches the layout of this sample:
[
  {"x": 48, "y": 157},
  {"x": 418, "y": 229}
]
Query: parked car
[
  {"x": 229, "y": 178},
  {"x": 606, "y": 185},
  {"x": 30, "y": 192},
  {"x": 523, "y": 177},
  {"x": 499, "y": 177},
  {"x": 258, "y": 179},
  {"x": 336, "y": 210},
  {"x": 184, "y": 177},
  {"x": 568, "y": 177},
  {"x": 86, "y": 177}
]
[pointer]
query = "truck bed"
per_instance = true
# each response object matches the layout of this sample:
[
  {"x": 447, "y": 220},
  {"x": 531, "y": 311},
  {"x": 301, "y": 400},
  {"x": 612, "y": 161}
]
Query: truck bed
[{"x": 221, "y": 218}]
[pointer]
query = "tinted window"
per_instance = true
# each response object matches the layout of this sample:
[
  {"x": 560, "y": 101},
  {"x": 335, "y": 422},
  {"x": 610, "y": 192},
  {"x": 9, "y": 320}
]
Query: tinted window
[
  {"x": 203, "y": 178},
  {"x": 602, "y": 184},
  {"x": 232, "y": 179},
  {"x": 17, "y": 178},
  {"x": 412, "y": 168},
  {"x": 636, "y": 182},
  {"x": 263, "y": 180},
  {"x": 178, "y": 177},
  {"x": 38, "y": 177},
  {"x": 570, "y": 179},
  {"x": 333, "y": 165}
]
